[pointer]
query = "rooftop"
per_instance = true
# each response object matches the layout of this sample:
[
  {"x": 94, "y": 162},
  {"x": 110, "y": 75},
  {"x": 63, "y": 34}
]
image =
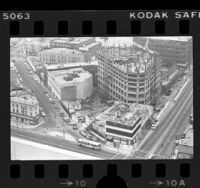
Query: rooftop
[
  {"x": 87, "y": 47},
  {"x": 66, "y": 40},
  {"x": 23, "y": 97},
  {"x": 188, "y": 140},
  {"x": 126, "y": 114},
  {"x": 128, "y": 58},
  {"x": 184, "y": 150},
  {"x": 172, "y": 38},
  {"x": 71, "y": 75},
  {"x": 68, "y": 65},
  {"x": 80, "y": 40},
  {"x": 65, "y": 51}
]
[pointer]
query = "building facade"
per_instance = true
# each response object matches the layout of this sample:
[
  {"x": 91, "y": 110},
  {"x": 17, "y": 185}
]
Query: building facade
[
  {"x": 14, "y": 81},
  {"x": 129, "y": 76},
  {"x": 33, "y": 47},
  {"x": 24, "y": 107},
  {"x": 80, "y": 42},
  {"x": 89, "y": 67},
  {"x": 71, "y": 85},
  {"x": 59, "y": 43},
  {"x": 172, "y": 49},
  {"x": 61, "y": 56},
  {"x": 123, "y": 122}
]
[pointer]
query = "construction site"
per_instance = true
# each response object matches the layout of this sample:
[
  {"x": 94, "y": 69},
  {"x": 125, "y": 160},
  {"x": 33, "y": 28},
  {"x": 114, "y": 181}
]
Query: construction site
[{"x": 129, "y": 74}]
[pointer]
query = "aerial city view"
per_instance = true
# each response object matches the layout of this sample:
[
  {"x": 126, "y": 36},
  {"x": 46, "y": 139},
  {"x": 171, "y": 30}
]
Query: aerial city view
[{"x": 94, "y": 98}]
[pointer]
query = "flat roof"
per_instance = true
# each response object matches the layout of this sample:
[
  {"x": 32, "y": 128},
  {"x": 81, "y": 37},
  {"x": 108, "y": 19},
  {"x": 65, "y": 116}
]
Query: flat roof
[
  {"x": 77, "y": 75},
  {"x": 126, "y": 114},
  {"x": 80, "y": 40},
  {"x": 188, "y": 140},
  {"x": 86, "y": 47},
  {"x": 68, "y": 65},
  {"x": 173, "y": 38},
  {"x": 66, "y": 40},
  {"x": 61, "y": 50}
]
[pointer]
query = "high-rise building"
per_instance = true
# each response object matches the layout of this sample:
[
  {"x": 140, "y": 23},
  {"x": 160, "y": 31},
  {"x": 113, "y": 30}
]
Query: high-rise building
[{"x": 129, "y": 75}]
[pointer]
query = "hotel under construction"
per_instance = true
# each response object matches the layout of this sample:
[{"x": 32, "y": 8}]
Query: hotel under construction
[{"x": 129, "y": 74}]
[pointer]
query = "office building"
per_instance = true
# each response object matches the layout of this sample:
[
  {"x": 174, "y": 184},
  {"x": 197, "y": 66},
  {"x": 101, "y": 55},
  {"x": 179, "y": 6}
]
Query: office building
[
  {"x": 71, "y": 85},
  {"x": 129, "y": 75}
]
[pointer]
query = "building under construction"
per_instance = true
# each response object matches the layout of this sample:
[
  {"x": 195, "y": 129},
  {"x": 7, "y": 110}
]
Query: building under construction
[{"x": 129, "y": 74}]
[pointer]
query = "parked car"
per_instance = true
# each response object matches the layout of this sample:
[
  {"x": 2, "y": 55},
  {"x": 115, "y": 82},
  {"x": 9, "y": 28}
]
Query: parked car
[
  {"x": 43, "y": 114},
  {"x": 74, "y": 126},
  {"x": 50, "y": 99},
  {"x": 66, "y": 119},
  {"x": 31, "y": 72},
  {"x": 61, "y": 113},
  {"x": 56, "y": 107}
]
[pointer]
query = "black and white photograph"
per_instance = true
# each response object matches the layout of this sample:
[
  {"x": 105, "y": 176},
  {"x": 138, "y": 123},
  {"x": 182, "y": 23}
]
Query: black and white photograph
[{"x": 101, "y": 98}]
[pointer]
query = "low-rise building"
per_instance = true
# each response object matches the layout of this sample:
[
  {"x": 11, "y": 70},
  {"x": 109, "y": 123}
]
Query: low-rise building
[
  {"x": 24, "y": 107},
  {"x": 91, "y": 67},
  {"x": 123, "y": 122},
  {"x": 80, "y": 41},
  {"x": 33, "y": 47},
  {"x": 59, "y": 43},
  {"x": 185, "y": 146},
  {"x": 71, "y": 85},
  {"x": 62, "y": 56}
]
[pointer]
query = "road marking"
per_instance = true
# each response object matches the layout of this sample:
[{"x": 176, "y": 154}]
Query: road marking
[{"x": 115, "y": 155}]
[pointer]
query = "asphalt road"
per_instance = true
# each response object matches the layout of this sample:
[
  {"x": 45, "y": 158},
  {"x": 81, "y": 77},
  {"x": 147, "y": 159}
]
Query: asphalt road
[
  {"x": 63, "y": 144},
  {"x": 53, "y": 118},
  {"x": 169, "y": 126}
]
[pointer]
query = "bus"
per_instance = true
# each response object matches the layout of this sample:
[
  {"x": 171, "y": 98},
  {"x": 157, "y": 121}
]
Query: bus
[{"x": 89, "y": 144}]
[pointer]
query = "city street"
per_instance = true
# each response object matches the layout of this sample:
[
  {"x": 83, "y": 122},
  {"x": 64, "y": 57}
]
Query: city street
[
  {"x": 52, "y": 119},
  {"x": 63, "y": 144},
  {"x": 169, "y": 126}
]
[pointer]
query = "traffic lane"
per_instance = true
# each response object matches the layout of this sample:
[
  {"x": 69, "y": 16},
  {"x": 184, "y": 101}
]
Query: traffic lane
[
  {"x": 170, "y": 125},
  {"x": 37, "y": 89},
  {"x": 175, "y": 131},
  {"x": 28, "y": 81},
  {"x": 164, "y": 123},
  {"x": 60, "y": 143}
]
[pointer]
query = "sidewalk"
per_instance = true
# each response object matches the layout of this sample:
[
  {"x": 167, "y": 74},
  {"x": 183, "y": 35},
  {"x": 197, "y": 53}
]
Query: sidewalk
[
  {"x": 122, "y": 149},
  {"x": 25, "y": 126}
]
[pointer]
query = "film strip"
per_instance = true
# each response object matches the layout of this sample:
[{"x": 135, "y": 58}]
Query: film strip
[{"x": 124, "y": 172}]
